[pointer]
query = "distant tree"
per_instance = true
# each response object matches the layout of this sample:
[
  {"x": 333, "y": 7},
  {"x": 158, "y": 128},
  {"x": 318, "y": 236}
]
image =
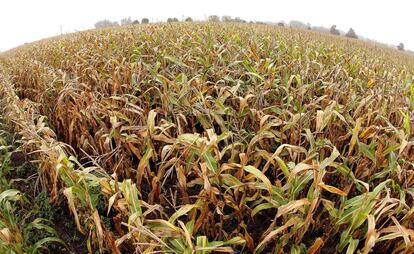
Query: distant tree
[
  {"x": 351, "y": 34},
  {"x": 297, "y": 24},
  {"x": 226, "y": 18},
  {"x": 105, "y": 23},
  {"x": 145, "y": 21},
  {"x": 135, "y": 22},
  {"x": 172, "y": 20},
  {"x": 280, "y": 23},
  {"x": 321, "y": 29},
  {"x": 126, "y": 21},
  {"x": 239, "y": 20},
  {"x": 334, "y": 31},
  {"x": 400, "y": 46},
  {"x": 188, "y": 19},
  {"x": 213, "y": 18}
]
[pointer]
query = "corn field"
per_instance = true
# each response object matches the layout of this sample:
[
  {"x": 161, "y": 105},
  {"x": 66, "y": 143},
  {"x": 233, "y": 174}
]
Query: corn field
[{"x": 212, "y": 137}]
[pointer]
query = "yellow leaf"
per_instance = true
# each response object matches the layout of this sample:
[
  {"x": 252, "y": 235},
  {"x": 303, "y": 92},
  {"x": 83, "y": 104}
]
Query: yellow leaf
[
  {"x": 332, "y": 189},
  {"x": 370, "y": 83},
  {"x": 371, "y": 236},
  {"x": 300, "y": 167},
  {"x": 151, "y": 121},
  {"x": 143, "y": 163},
  {"x": 292, "y": 205},
  {"x": 319, "y": 120},
  {"x": 99, "y": 229},
  {"x": 355, "y": 132},
  {"x": 6, "y": 235},
  {"x": 315, "y": 246},
  {"x": 71, "y": 202}
]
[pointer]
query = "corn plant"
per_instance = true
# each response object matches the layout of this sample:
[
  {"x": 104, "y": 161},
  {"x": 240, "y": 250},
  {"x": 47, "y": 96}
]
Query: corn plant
[{"x": 210, "y": 137}]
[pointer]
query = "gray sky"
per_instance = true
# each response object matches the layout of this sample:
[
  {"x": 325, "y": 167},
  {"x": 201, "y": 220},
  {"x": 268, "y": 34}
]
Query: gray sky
[{"x": 28, "y": 20}]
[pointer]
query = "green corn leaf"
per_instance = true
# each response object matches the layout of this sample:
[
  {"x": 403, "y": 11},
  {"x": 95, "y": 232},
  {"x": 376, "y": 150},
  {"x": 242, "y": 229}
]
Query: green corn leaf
[{"x": 259, "y": 175}]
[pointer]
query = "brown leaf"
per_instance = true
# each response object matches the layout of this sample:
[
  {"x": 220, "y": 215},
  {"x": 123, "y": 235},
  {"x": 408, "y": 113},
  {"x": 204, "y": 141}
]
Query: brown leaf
[{"x": 315, "y": 246}]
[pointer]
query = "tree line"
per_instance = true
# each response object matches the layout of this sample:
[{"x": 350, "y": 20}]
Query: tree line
[
  {"x": 125, "y": 21},
  {"x": 214, "y": 18}
]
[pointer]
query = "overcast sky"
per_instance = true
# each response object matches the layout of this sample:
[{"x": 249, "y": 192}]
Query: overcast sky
[{"x": 23, "y": 21}]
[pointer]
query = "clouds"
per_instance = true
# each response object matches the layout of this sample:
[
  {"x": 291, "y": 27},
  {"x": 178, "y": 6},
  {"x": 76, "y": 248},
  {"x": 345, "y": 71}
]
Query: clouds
[{"x": 24, "y": 20}]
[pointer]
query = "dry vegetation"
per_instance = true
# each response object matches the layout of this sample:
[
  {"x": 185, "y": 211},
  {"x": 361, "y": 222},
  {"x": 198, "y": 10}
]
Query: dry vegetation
[{"x": 199, "y": 138}]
